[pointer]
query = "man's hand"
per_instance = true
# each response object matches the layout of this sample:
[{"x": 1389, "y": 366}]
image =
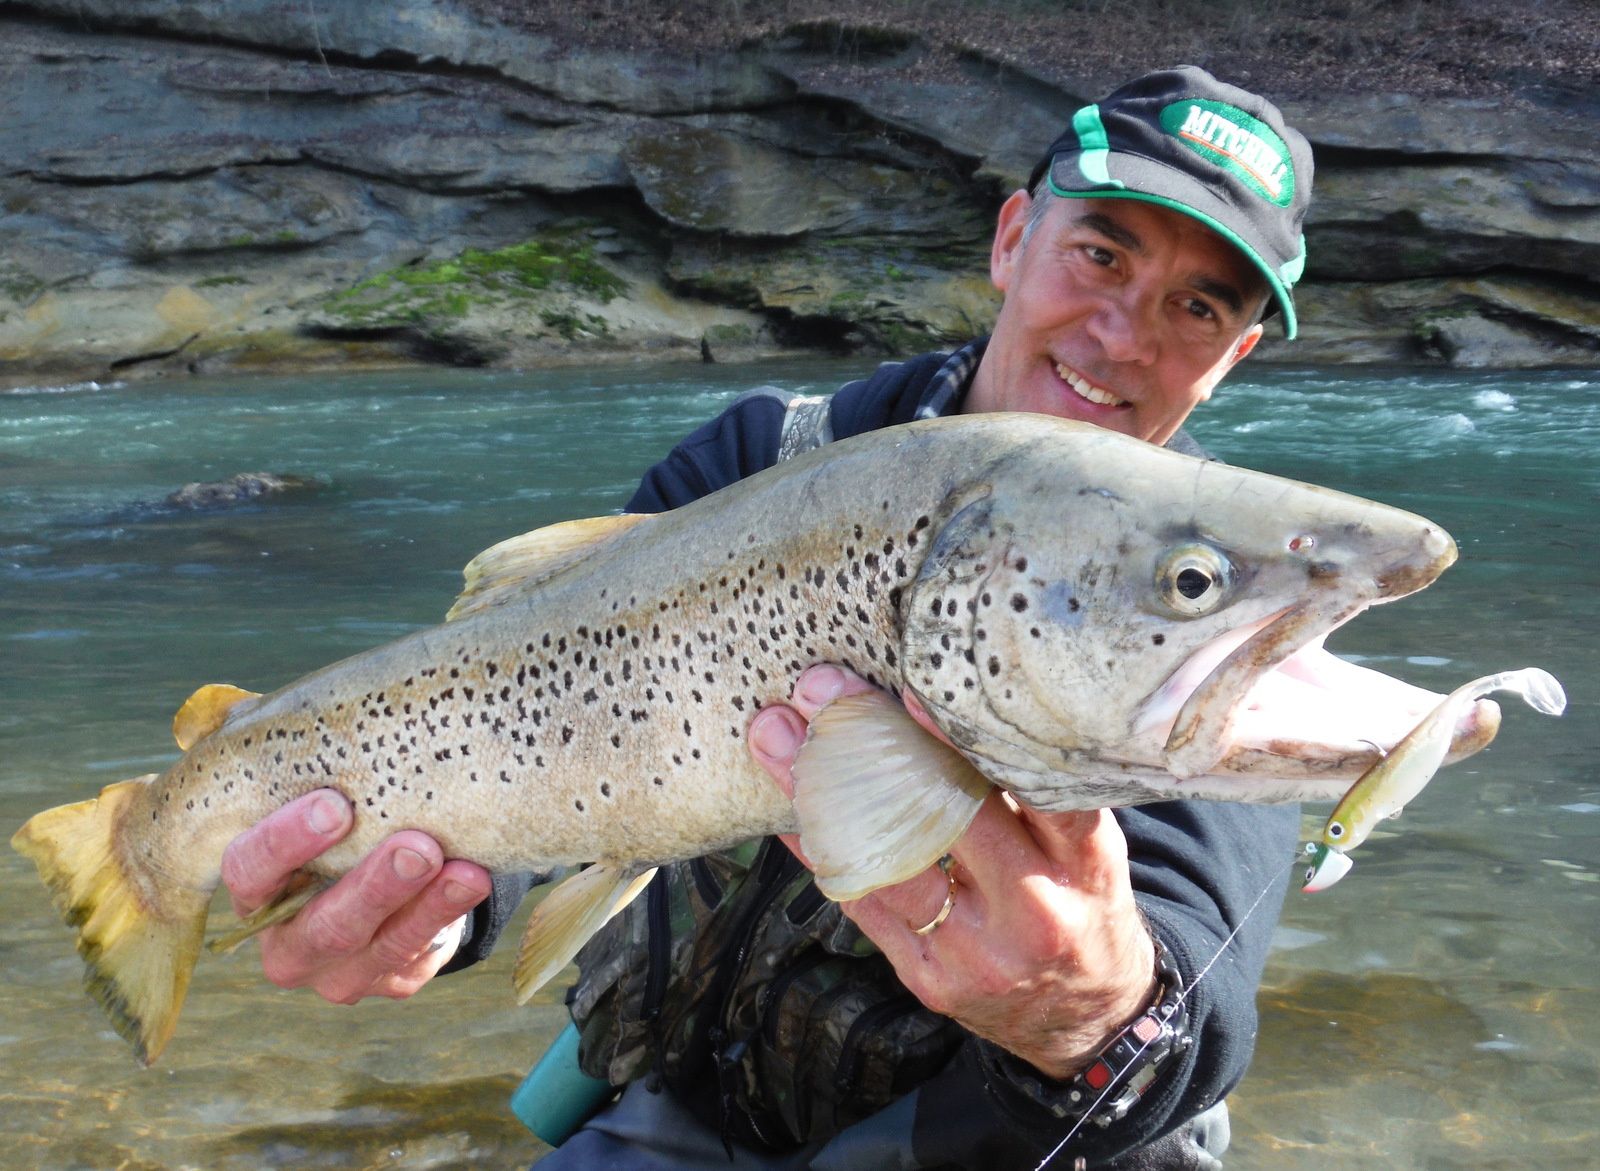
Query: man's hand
[
  {"x": 1043, "y": 951},
  {"x": 384, "y": 929}
]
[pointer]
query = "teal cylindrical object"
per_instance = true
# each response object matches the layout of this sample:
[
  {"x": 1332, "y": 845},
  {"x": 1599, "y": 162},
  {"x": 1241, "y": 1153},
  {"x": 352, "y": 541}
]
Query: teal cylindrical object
[{"x": 557, "y": 1097}]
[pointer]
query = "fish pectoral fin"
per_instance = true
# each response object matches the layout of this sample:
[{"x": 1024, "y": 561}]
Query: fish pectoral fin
[
  {"x": 139, "y": 940},
  {"x": 568, "y": 916},
  {"x": 516, "y": 564},
  {"x": 878, "y": 799},
  {"x": 204, "y": 711},
  {"x": 285, "y": 907}
]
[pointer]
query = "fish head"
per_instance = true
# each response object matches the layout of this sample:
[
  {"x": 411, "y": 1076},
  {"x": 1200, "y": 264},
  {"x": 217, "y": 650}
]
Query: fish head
[{"x": 1099, "y": 621}]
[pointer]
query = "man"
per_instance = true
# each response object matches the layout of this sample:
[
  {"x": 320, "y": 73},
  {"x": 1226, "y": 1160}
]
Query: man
[{"x": 970, "y": 1016}]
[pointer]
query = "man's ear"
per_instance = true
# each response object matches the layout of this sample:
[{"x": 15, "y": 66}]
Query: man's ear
[
  {"x": 1247, "y": 342},
  {"x": 1007, "y": 247}
]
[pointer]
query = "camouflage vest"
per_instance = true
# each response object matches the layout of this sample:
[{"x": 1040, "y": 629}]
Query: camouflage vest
[{"x": 737, "y": 984}]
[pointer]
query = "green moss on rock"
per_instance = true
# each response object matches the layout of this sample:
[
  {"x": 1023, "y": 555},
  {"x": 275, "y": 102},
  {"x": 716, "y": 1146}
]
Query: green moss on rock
[{"x": 520, "y": 274}]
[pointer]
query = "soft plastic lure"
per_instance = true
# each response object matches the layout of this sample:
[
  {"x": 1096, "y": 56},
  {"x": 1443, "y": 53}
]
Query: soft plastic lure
[{"x": 1386, "y": 788}]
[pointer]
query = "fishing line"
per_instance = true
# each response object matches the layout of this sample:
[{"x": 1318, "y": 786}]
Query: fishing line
[{"x": 1272, "y": 881}]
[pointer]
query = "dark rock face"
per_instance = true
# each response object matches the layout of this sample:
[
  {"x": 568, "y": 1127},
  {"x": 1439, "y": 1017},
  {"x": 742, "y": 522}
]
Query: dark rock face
[{"x": 238, "y": 184}]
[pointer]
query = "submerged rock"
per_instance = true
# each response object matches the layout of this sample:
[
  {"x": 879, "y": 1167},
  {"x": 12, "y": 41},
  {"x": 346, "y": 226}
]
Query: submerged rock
[{"x": 240, "y": 488}]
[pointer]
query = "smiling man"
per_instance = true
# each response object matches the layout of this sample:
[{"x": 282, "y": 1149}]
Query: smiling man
[{"x": 1044, "y": 980}]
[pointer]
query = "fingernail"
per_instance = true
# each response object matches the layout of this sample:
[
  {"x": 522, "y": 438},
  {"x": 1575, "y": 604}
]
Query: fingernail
[
  {"x": 774, "y": 736},
  {"x": 409, "y": 864},
  {"x": 820, "y": 685},
  {"x": 327, "y": 814},
  {"x": 460, "y": 893}
]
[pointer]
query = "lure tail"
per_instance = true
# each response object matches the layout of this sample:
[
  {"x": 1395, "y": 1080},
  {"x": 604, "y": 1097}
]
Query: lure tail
[{"x": 138, "y": 955}]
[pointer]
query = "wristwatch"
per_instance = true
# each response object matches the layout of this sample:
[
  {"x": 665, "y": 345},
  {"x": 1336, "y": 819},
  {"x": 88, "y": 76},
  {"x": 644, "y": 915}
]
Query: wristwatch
[{"x": 1131, "y": 1061}]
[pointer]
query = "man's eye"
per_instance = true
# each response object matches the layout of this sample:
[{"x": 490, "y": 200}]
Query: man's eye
[
  {"x": 1101, "y": 256},
  {"x": 1198, "y": 308}
]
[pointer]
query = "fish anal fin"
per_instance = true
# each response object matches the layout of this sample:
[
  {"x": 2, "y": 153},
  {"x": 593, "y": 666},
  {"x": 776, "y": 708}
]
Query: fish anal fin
[
  {"x": 516, "y": 564},
  {"x": 563, "y": 922},
  {"x": 878, "y": 799},
  {"x": 285, "y": 907},
  {"x": 204, "y": 711},
  {"x": 138, "y": 957}
]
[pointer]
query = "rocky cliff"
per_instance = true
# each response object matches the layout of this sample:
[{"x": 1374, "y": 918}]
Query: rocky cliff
[{"x": 240, "y": 184}]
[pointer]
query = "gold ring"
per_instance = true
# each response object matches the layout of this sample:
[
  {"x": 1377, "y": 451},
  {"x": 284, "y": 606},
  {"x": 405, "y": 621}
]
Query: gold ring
[{"x": 945, "y": 864}]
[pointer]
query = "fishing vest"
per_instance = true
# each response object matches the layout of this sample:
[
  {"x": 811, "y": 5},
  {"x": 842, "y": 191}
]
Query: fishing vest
[{"x": 734, "y": 982}]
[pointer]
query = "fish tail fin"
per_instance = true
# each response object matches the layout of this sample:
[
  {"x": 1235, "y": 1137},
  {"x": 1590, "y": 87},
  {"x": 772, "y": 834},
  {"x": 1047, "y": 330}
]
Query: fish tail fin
[{"x": 138, "y": 957}]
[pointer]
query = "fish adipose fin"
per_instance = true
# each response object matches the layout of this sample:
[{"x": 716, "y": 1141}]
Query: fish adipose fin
[
  {"x": 204, "y": 712},
  {"x": 139, "y": 958},
  {"x": 879, "y": 799},
  {"x": 503, "y": 571},
  {"x": 567, "y": 917}
]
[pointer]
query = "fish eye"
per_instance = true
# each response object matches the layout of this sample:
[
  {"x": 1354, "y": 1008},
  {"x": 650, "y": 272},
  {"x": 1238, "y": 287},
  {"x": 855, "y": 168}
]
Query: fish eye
[{"x": 1193, "y": 580}]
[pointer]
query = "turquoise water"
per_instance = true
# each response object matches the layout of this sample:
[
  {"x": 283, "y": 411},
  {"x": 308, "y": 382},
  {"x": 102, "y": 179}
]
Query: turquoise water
[{"x": 1437, "y": 1009}]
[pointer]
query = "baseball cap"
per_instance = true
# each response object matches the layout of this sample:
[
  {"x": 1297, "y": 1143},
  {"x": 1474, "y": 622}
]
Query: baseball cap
[{"x": 1184, "y": 140}]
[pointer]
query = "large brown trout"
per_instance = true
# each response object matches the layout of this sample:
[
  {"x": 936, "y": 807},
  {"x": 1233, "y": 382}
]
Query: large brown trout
[{"x": 1091, "y": 621}]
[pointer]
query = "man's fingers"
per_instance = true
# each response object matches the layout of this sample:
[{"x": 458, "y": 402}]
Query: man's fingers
[
  {"x": 345, "y": 917},
  {"x": 778, "y": 731},
  {"x": 412, "y": 930},
  {"x": 1087, "y": 845},
  {"x": 404, "y": 952},
  {"x": 258, "y": 862},
  {"x": 819, "y": 686},
  {"x": 775, "y": 736},
  {"x": 912, "y": 904}
]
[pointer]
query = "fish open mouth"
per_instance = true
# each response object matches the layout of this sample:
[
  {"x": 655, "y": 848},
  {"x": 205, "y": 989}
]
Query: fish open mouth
[{"x": 1269, "y": 700}]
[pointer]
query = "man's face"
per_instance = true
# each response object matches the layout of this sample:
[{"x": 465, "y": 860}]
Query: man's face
[{"x": 1117, "y": 312}]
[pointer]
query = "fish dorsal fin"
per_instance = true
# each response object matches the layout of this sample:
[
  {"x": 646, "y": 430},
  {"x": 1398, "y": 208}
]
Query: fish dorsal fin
[
  {"x": 878, "y": 799},
  {"x": 518, "y": 563},
  {"x": 203, "y": 712}
]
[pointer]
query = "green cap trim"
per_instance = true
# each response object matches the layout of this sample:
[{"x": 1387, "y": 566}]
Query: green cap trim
[
  {"x": 1095, "y": 147},
  {"x": 1278, "y": 284},
  {"x": 1291, "y": 270}
]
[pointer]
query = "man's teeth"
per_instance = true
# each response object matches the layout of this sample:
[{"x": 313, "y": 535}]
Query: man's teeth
[{"x": 1088, "y": 389}]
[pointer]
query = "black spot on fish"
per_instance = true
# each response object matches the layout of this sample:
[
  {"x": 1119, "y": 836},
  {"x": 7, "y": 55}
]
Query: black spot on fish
[{"x": 1158, "y": 639}]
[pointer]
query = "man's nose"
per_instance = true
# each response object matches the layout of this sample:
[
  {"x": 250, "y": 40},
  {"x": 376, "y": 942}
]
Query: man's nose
[{"x": 1125, "y": 326}]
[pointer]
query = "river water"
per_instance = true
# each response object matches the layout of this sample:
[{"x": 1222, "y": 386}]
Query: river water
[{"x": 1438, "y": 1009}]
